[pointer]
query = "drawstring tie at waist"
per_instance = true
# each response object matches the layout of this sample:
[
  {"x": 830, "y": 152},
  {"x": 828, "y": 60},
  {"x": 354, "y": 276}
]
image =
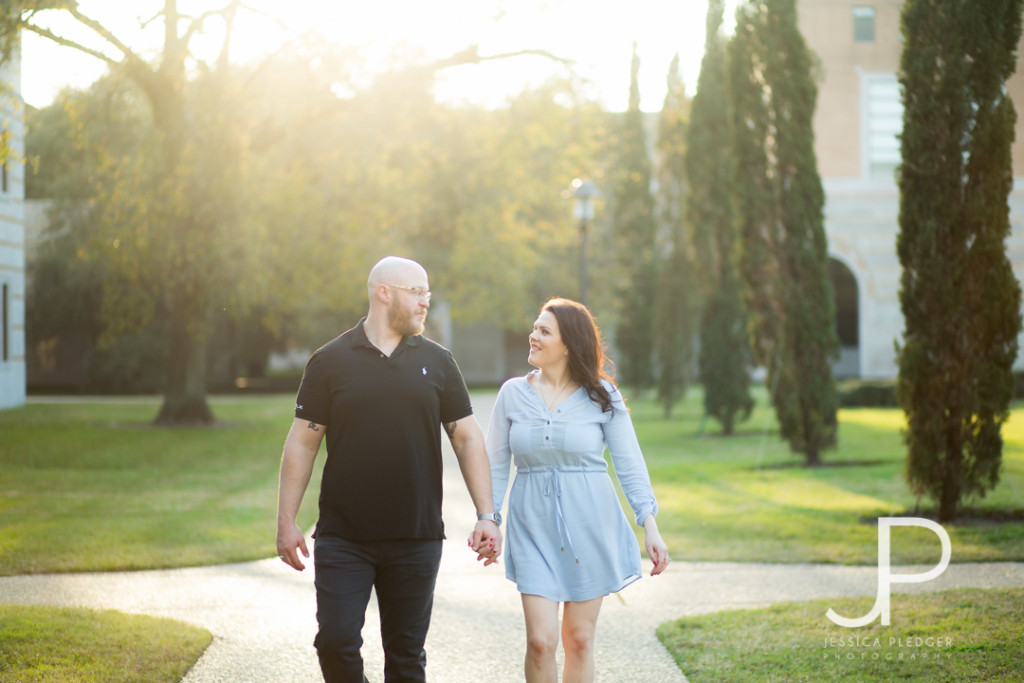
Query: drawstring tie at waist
[{"x": 553, "y": 484}]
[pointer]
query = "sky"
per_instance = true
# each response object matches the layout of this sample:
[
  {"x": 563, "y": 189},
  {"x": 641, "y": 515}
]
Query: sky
[{"x": 598, "y": 36}]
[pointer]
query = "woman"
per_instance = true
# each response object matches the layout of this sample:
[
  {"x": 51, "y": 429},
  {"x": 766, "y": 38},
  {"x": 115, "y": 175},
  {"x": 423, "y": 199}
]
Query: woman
[{"x": 568, "y": 540}]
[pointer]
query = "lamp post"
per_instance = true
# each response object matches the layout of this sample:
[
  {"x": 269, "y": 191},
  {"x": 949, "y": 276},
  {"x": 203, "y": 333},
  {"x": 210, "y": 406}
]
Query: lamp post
[{"x": 583, "y": 192}]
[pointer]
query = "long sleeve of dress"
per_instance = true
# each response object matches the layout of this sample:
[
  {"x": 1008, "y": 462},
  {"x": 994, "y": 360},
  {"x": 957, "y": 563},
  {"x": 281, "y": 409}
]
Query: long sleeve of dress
[
  {"x": 499, "y": 452},
  {"x": 628, "y": 461}
]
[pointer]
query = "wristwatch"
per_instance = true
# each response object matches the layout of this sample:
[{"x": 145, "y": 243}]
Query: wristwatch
[{"x": 490, "y": 517}]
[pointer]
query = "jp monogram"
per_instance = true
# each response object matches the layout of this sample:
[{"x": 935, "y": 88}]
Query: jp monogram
[{"x": 886, "y": 578}]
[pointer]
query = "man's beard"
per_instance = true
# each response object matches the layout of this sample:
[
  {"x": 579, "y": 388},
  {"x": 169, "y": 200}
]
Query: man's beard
[{"x": 405, "y": 324}]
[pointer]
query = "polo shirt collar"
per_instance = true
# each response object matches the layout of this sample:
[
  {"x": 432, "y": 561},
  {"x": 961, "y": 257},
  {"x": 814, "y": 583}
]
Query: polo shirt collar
[{"x": 359, "y": 337}]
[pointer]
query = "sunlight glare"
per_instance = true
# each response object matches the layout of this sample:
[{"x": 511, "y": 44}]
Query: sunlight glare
[{"x": 598, "y": 39}]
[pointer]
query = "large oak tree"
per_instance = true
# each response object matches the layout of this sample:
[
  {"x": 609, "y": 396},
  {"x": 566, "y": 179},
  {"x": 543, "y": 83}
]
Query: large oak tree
[{"x": 186, "y": 219}]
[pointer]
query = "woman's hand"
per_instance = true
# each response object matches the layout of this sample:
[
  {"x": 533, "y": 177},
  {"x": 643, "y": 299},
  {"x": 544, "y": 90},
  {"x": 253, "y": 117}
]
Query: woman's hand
[
  {"x": 486, "y": 542},
  {"x": 656, "y": 548}
]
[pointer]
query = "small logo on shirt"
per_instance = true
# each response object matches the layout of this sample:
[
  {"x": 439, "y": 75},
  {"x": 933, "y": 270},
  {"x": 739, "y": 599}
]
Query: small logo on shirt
[
  {"x": 298, "y": 406},
  {"x": 424, "y": 372}
]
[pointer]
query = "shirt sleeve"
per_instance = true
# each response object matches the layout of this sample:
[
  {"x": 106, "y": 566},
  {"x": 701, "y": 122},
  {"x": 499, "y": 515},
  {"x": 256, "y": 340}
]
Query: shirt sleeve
[
  {"x": 628, "y": 460},
  {"x": 455, "y": 403},
  {"x": 499, "y": 452},
  {"x": 313, "y": 401}
]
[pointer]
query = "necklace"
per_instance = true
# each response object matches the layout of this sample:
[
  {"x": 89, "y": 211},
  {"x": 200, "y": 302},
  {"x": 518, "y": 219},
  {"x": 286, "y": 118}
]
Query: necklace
[{"x": 554, "y": 401}]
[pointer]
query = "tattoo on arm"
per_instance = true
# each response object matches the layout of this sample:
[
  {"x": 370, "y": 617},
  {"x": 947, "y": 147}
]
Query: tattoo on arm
[
  {"x": 313, "y": 426},
  {"x": 450, "y": 428}
]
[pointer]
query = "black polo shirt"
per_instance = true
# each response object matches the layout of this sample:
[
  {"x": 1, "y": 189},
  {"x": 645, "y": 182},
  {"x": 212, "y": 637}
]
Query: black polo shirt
[{"x": 382, "y": 476}]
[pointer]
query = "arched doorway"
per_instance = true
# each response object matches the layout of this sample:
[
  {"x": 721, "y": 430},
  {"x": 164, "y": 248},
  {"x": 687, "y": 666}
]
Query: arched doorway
[{"x": 844, "y": 289}]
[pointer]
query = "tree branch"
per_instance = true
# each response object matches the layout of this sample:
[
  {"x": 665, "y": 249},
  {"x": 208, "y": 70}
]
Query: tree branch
[
  {"x": 197, "y": 23},
  {"x": 229, "y": 29},
  {"x": 266, "y": 15},
  {"x": 269, "y": 59},
  {"x": 103, "y": 32},
  {"x": 534, "y": 53},
  {"x": 471, "y": 55},
  {"x": 60, "y": 40}
]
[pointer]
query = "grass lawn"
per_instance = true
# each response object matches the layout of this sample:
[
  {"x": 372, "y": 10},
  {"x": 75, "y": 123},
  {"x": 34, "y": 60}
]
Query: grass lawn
[
  {"x": 746, "y": 498},
  {"x": 55, "y": 645},
  {"x": 93, "y": 486},
  {"x": 960, "y": 635}
]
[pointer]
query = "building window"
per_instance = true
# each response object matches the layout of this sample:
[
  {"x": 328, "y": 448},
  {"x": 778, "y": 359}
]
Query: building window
[
  {"x": 5, "y": 153},
  {"x": 863, "y": 24},
  {"x": 5, "y": 322},
  {"x": 883, "y": 123}
]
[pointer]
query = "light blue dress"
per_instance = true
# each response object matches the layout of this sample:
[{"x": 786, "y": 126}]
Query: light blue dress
[{"x": 567, "y": 538}]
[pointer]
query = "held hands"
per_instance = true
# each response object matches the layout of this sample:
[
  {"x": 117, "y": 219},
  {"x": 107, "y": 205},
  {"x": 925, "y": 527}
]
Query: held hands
[
  {"x": 656, "y": 548},
  {"x": 486, "y": 542}
]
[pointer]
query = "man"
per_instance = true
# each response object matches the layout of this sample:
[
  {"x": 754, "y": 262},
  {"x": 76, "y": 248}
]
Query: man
[{"x": 380, "y": 393}]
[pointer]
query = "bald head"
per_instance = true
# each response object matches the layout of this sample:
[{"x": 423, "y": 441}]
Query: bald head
[{"x": 395, "y": 270}]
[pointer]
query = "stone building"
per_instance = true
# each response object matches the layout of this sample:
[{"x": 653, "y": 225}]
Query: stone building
[
  {"x": 858, "y": 118},
  {"x": 12, "y": 238}
]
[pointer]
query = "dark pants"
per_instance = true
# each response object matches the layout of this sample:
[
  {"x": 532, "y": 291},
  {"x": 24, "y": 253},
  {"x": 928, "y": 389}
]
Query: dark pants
[{"x": 403, "y": 574}]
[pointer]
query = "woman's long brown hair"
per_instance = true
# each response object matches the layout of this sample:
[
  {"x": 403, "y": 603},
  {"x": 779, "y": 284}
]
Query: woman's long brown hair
[{"x": 582, "y": 337}]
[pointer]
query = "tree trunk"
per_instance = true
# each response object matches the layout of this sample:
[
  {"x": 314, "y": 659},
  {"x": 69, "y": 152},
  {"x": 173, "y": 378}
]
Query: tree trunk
[
  {"x": 727, "y": 424},
  {"x": 948, "y": 502},
  {"x": 949, "y": 497},
  {"x": 185, "y": 398}
]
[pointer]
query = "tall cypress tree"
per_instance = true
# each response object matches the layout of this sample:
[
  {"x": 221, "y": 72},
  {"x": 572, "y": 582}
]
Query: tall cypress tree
[
  {"x": 786, "y": 251},
  {"x": 806, "y": 400},
  {"x": 960, "y": 299},
  {"x": 759, "y": 229},
  {"x": 673, "y": 325},
  {"x": 633, "y": 219},
  {"x": 724, "y": 349}
]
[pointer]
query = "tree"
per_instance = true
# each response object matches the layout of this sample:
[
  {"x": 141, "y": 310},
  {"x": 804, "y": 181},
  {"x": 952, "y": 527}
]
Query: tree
[
  {"x": 468, "y": 191},
  {"x": 168, "y": 215},
  {"x": 180, "y": 229},
  {"x": 724, "y": 348},
  {"x": 67, "y": 144},
  {"x": 634, "y": 225},
  {"x": 754, "y": 193},
  {"x": 806, "y": 394},
  {"x": 673, "y": 326},
  {"x": 795, "y": 326},
  {"x": 511, "y": 164},
  {"x": 960, "y": 299}
]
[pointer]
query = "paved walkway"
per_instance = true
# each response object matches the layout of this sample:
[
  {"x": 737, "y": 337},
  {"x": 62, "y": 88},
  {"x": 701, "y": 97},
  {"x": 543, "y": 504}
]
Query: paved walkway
[{"x": 262, "y": 614}]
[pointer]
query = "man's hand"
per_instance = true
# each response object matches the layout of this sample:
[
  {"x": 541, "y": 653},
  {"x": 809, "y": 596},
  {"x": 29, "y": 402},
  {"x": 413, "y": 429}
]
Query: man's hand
[
  {"x": 291, "y": 541},
  {"x": 486, "y": 541},
  {"x": 300, "y": 449}
]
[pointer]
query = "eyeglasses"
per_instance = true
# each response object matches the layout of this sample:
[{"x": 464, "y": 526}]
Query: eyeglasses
[{"x": 418, "y": 292}]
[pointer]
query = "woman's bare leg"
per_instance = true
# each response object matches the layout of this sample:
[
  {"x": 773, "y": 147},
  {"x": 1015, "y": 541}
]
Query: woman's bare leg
[
  {"x": 541, "y": 639},
  {"x": 579, "y": 624}
]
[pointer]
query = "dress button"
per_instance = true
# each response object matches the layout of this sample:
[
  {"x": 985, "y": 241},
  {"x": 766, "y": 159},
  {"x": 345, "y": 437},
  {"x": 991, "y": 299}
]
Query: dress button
[{"x": 547, "y": 438}]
